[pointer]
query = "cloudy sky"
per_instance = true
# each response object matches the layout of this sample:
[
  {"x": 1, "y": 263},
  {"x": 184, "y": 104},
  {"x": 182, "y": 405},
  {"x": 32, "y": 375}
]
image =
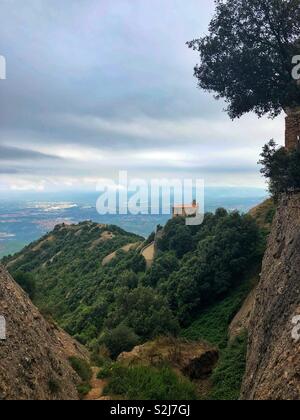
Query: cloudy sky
[{"x": 98, "y": 86}]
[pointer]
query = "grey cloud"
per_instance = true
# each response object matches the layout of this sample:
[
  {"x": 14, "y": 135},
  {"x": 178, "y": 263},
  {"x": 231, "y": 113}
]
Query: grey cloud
[
  {"x": 121, "y": 62},
  {"x": 111, "y": 59},
  {"x": 8, "y": 171},
  {"x": 15, "y": 154},
  {"x": 201, "y": 171}
]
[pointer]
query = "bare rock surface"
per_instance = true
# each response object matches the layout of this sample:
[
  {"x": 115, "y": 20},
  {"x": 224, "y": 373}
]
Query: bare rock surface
[
  {"x": 273, "y": 361},
  {"x": 34, "y": 357},
  {"x": 193, "y": 359},
  {"x": 241, "y": 321}
]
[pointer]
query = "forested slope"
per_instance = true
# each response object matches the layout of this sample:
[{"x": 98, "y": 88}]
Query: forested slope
[{"x": 196, "y": 285}]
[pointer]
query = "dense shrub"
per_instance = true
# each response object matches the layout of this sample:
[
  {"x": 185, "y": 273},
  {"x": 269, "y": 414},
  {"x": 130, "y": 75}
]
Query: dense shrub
[
  {"x": 82, "y": 368},
  {"x": 83, "y": 389},
  {"x": 228, "y": 376},
  {"x": 281, "y": 168},
  {"x": 148, "y": 383},
  {"x": 27, "y": 282},
  {"x": 177, "y": 237},
  {"x": 54, "y": 386},
  {"x": 227, "y": 244},
  {"x": 128, "y": 279},
  {"x": 213, "y": 323},
  {"x": 143, "y": 310},
  {"x": 119, "y": 340},
  {"x": 162, "y": 267}
]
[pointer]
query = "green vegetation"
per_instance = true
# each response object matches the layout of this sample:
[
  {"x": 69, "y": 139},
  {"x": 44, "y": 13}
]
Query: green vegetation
[
  {"x": 221, "y": 250},
  {"x": 148, "y": 383},
  {"x": 144, "y": 310},
  {"x": 84, "y": 371},
  {"x": 82, "y": 368},
  {"x": 83, "y": 389},
  {"x": 227, "y": 377},
  {"x": 264, "y": 214},
  {"x": 122, "y": 304},
  {"x": 246, "y": 57},
  {"x": 212, "y": 325},
  {"x": 120, "y": 339},
  {"x": 27, "y": 282},
  {"x": 198, "y": 282},
  {"x": 281, "y": 168},
  {"x": 72, "y": 285},
  {"x": 106, "y": 370},
  {"x": 54, "y": 386}
]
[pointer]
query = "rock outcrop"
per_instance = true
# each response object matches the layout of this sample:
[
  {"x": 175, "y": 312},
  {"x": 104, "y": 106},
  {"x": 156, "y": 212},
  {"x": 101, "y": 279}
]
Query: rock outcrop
[
  {"x": 292, "y": 128},
  {"x": 273, "y": 361},
  {"x": 241, "y": 321},
  {"x": 34, "y": 357},
  {"x": 193, "y": 359}
]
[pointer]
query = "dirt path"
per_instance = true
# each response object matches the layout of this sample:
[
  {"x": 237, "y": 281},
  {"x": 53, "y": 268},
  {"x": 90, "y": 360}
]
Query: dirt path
[
  {"x": 149, "y": 253},
  {"x": 98, "y": 385}
]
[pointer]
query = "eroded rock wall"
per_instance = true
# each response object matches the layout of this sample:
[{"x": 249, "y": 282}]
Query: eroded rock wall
[
  {"x": 34, "y": 357},
  {"x": 273, "y": 361}
]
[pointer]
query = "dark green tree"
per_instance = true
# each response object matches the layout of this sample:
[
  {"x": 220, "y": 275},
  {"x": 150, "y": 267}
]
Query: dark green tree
[
  {"x": 161, "y": 269},
  {"x": 177, "y": 237},
  {"x": 246, "y": 58},
  {"x": 26, "y": 281},
  {"x": 120, "y": 339},
  {"x": 217, "y": 266},
  {"x": 143, "y": 310},
  {"x": 281, "y": 168}
]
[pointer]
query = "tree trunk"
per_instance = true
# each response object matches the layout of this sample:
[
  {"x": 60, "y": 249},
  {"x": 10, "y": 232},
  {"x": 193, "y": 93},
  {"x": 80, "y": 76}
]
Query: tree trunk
[{"x": 292, "y": 128}]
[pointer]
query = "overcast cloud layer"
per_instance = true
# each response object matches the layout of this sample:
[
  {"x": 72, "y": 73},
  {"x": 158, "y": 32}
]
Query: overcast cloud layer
[{"x": 98, "y": 86}]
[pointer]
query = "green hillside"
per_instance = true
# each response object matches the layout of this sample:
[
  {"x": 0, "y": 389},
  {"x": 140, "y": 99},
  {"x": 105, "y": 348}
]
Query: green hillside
[
  {"x": 195, "y": 268},
  {"x": 86, "y": 298},
  {"x": 200, "y": 276}
]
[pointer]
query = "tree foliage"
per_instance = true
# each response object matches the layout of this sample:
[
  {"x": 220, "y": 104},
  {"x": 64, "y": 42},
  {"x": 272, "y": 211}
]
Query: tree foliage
[
  {"x": 27, "y": 282},
  {"x": 246, "y": 58},
  {"x": 143, "y": 310},
  {"x": 177, "y": 237},
  {"x": 281, "y": 168},
  {"x": 228, "y": 376},
  {"x": 123, "y": 303},
  {"x": 120, "y": 339},
  {"x": 226, "y": 245},
  {"x": 149, "y": 383}
]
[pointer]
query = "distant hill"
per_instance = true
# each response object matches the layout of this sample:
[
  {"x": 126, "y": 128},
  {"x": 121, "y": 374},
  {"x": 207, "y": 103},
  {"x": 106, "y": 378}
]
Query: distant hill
[{"x": 66, "y": 267}]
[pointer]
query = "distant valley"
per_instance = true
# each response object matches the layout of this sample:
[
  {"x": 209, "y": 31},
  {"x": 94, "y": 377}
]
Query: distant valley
[{"x": 28, "y": 217}]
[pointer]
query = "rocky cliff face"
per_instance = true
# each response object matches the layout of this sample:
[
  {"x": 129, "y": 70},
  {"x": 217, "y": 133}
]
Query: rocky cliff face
[
  {"x": 273, "y": 362},
  {"x": 33, "y": 358}
]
